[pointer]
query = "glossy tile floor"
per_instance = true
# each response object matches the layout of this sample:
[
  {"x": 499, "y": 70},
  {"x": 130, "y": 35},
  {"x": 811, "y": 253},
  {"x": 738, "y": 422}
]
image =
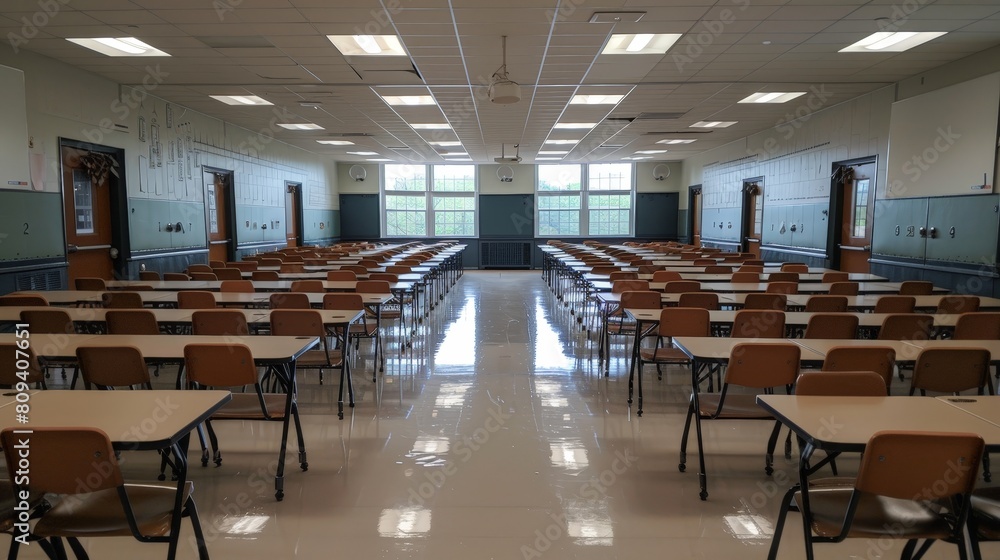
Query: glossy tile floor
[{"x": 494, "y": 437}]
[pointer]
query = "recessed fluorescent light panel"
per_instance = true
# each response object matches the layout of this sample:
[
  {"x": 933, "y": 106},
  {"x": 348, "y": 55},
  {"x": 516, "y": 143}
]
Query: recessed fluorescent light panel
[
  {"x": 363, "y": 153},
  {"x": 430, "y": 126},
  {"x": 713, "y": 124},
  {"x": 552, "y": 153},
  {"x": 367, "y": 45},
  {"x": 651, "y": 152},
  {"x": 119, "y": 46},
  {"x": 562, "y": 141},
  {"x": 336, "y": 142},
  {"x": 640, "y": 43},
  {"x": 888, "y": 41},
  {"x": 575, "y": 125},
  {"x": 446, "y": 144},
  {"x": 674, "y": 141},
  {"x": 548, "y": 158},
  {"x": 300, "y": 126},
  {"x": 378, "y": 159},
  {"x": 241, "y": 99},
  {"x": 583, "y": 99},
  {"x": 772, "y": 97},
  {"x": 409, "y": 100}
]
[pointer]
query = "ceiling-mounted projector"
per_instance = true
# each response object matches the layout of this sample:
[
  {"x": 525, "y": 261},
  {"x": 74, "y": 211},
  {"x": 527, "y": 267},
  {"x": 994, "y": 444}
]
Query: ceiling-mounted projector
[
  {"x": 503, "y": 155},
  {"x": 503, "y": 90}
]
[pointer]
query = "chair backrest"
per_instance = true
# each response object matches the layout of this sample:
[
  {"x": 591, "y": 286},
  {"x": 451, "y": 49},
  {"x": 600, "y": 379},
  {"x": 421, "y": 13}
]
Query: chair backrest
[
  {"x": 704, "y": 262},
  {"x": 308, "y": 286},
  {"x": 244, "y": 266},
  {"x": 895, "y": 304},
  {"x": 26, "y": 300},
  {"x": 844, "y": 288},
  {"x": 289, "y": 300},
  {"x": 621, "y": 275},
  {"x": 758, "y": 324},
  {"x": 621, "y": 286},
  {"x": 950, "y": 370},
  {"x": 684, "y": 321},
  {"x": 783, "y": 277},
  {"x": 639, "y": 299},
  {"x": 916, "y": 288},
  {"x": 906, "y": 326},
  {"x": 387, "y": 276},
  {"x": 96, "y": 284},
  {"x": 369, "y": 263},
  {"x": 297, "y": 322},
  {"x": 879, "y": 359},
  {"x": 831, "y": 277},
  {"x": 841, "y": 384},
  {"x": 651, "y": 269},
  {"x": 603, "y": 270},
  {"x": 265, "y": 276},
  {"x": 217, "y": 264},
  {"x": 801, "y": 268},
  {"x": 237, "y": 286},
  {"x": 48, "y": 321},
  {"x": 954, "y": 305},
  {"x": 205, "y": 276},
  {"x": 131, "y": 321},
  {"x": 344, "y": 301},
  {"x": 765, "y": 301},
  {"x": 910, "y": 465},
  {"x": 269, "y": 262},
  {"x": 718, "y": 269},
  {"x": 401, "y": 269},
  {"x": 681, "y": 286},
  {"x": 196, "y": 299},
  {"x": 149, "y": 275},
  {"x": 121, "y": 300},
  {"x": 11, "y": 357},
  {"x": 219, "y": 322},
  {"x": 703, "y": 300},
  {"x": 112, "y": 366},
  {"x": 977, "y": 326},
  {"x": 341, "y": 276},
  {"x": 751, "y": 268},
  {"x": 745, "y": 277},
  {"x": 219, "y": 365},
  {"x": 65, "y": 460},
  {"x": 666, "y": 276},
  {"x": 763, "y": 365},
  {"x": 228, "y": 274},
  {"x": 199, "y": 268},
  {"x": 827, "y": 304},
  {"x": 843, "y": 326},
  {"x": 782, "y": 287},
  {"x": 372, "y": 287},
  {"x": 356, "y": 269},
  {"x": 175, "y": 277}
]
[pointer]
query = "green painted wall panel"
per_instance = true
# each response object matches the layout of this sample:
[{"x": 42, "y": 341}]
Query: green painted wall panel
[
  {"x": 42, "y": 212},
  {"x": 319, "y": 224},
  {"x": 895, "y": 232},
  {"x": 507, "y": 215},
  {"x": 722, "y": 223},
  {"x": 975, "y": 222}
]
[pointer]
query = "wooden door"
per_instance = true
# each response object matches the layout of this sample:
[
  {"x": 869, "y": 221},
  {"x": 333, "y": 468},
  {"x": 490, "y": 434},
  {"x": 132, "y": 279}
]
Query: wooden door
[
  {"x": 694, "y": 207},
  {"x": 858, "y": 214},
  {"x": 292, "y": 214},
  {"x": 88, "y": 216},
  {"x": 753, "y": 220},
  {"x": 216, "y": 197}
]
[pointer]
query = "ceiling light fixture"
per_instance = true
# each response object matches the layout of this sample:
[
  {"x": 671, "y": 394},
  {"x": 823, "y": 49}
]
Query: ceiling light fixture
[
  {"x": 367, "y": 45},
  {"x": 889, "y": 41},
  {"x": 363, "y": 153},
  {"x": 410, "y": 100},
  {"x": 553, "y": 153},
  {"x": 640, "y": 43},
  {"x": 651, "y": 152},
  {"x": 562, "y": 141},
  {"x": 713, "y": 124},
  {"x": 772, "y": 97},
  {"x": 430, "y": 126},
  {"x": 503, "y": 90},
  {"x": 575, "y": 125},
  {"x": 581, "y": 99},
  {"x": 241, "y": 99},
  {"x": 446, "y": 144},
  {"x": 336, "y": 142},
  {"x": 118, "y": 46},
  {"x": 300, "y": 126},
  {"x": 674, "y": 141}
]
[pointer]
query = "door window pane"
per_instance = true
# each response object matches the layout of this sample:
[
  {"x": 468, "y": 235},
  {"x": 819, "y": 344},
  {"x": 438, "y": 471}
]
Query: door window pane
[
  {"x": 861, "y": 187},
  {"x": 83, "y": 201}
]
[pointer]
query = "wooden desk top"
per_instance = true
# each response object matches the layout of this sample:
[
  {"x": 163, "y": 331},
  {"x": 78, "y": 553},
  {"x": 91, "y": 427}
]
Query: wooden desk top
[
  {"x": 718, "y": 349},
  {"x": 259, "y": 285},
  {"x": 983, "y": 407}
]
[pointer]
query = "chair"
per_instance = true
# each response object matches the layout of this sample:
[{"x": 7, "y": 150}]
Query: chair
[
  {"x": 951, "y": 370},
  {"x": 237, "y": 286},
  {"x": 916, "y": 288},
  {"x": 25, "y": 300},
  {"x": 832, "y": 277},
  {"x": 175, "y": 277},
  {"x": 191, "y": 269},
  {"x": 681, "y": 286},
  {"x": 356, "y": 269},
  {"x": 674, "y": 321},
  {"x": 650, "y": 269},
  {"x": 219, "y": 322},
  {"x": 369, "y": 263},
  {"x": 704, "y": 262},
  {"x": 387, "y": 276},
  {"x": 745, "y": 277},
  {"x": 703, "y": 300},
  {"x": 977, "y": 326},
  {"x": 264, "y": 276},
  {"x": 783, "y": 277},
  {"x": 108, "y": 367},
  {"x": 835, "y": 326},
  {"x": 754, "y": 262},
  {"x": 105, "y": 506},
  {"x": 309, "y": 322},
  {"x": 622, "y": 286},
  {"x": 10, "y": 356},
  {"x": 269, "y": 262},
  {"x": 121, "y": 300},
  {"x": 758, "y": 324},
  {"x": 956, "y": 305},
  {"x": 308, "y": 286},
  {"x": 289, "y": 300},
  {"x": 292, "y": 267},
  {"x": 228, "y": 274},
  {"x": 906, "y": 326},
  {"x": 762, "y": 367},
  {"x": 149, "y": 276},
  {"x": 800, "y": 268},
  {"x": 782, "y": 287},
  {"x": 196, "y": 299},
  {"x": 666, "y": 276},
  {"x": 879, "y": 359},
  {"x": 984, "y": 519},
  {"x": 217, "y": 264},
  {"x": 844, "y": 288},
  {"x": 765, "y": 301},
  {"x": 341, "y": 276},
  {"x": 204, "y": 277},
  {"x": 840, "y": 384},
  {"x": 615, "y": 276},
  {"x": 352, "y": 302},
  {"x": 718, "y": 269},
  {"x": 243, "y": 266},
  {"x": 383, "y": 312},
  {"x": 131, "y": 321},
  {"x": 895, "y": 304},
  {"x": 618, "y": 323},
  {"x": 827, "y": 304},
  {"x": 94, "y": 284},
  {"x": 48, "y": 321},
  {"x": 759, "y": 269},
  {"x": 899, "y": 493}
]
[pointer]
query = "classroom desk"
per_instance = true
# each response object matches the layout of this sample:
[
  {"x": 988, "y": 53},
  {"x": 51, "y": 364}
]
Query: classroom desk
[
  {"x": 982, "y": 407},
  {"x": 807, "y": 278},
  {"x": 278, "y": 353},
  {"x": 123, "y": 416},
  {"x": 88, "y": 297},
  {"x": 810, "y": 288},
  {"x": 867, "y": 302}
]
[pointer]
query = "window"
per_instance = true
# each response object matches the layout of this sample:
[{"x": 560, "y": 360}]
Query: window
[
  {"x": 83, "y": 201},
  {"x": 429, "y": 200},
  {"x": 585, "y": 200},
  {"x": 860, "y": 207}
]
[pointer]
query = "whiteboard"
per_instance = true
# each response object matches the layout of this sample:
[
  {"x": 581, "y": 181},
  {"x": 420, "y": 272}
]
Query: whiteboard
[
  {"x": 944, "y": 142},
  {"x": 14, "y": 131}
]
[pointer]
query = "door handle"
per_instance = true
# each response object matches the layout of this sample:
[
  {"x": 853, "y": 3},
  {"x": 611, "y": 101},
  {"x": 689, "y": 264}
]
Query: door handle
[{"x": 853, "y": 248}]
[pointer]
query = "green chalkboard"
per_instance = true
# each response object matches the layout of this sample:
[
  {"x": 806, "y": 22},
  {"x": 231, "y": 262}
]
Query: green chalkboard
[
  {"x": 31, "y": 227},
  {"x": 656, "y": 214},
  {"x": 507, "y": 215},
  {"x": 360, "y": 216}
]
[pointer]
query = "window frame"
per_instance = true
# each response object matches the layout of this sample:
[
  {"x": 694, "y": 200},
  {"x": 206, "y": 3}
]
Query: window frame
[
  {"x": 585, "y": 207},
  {"x": 429, "y": 195}
]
